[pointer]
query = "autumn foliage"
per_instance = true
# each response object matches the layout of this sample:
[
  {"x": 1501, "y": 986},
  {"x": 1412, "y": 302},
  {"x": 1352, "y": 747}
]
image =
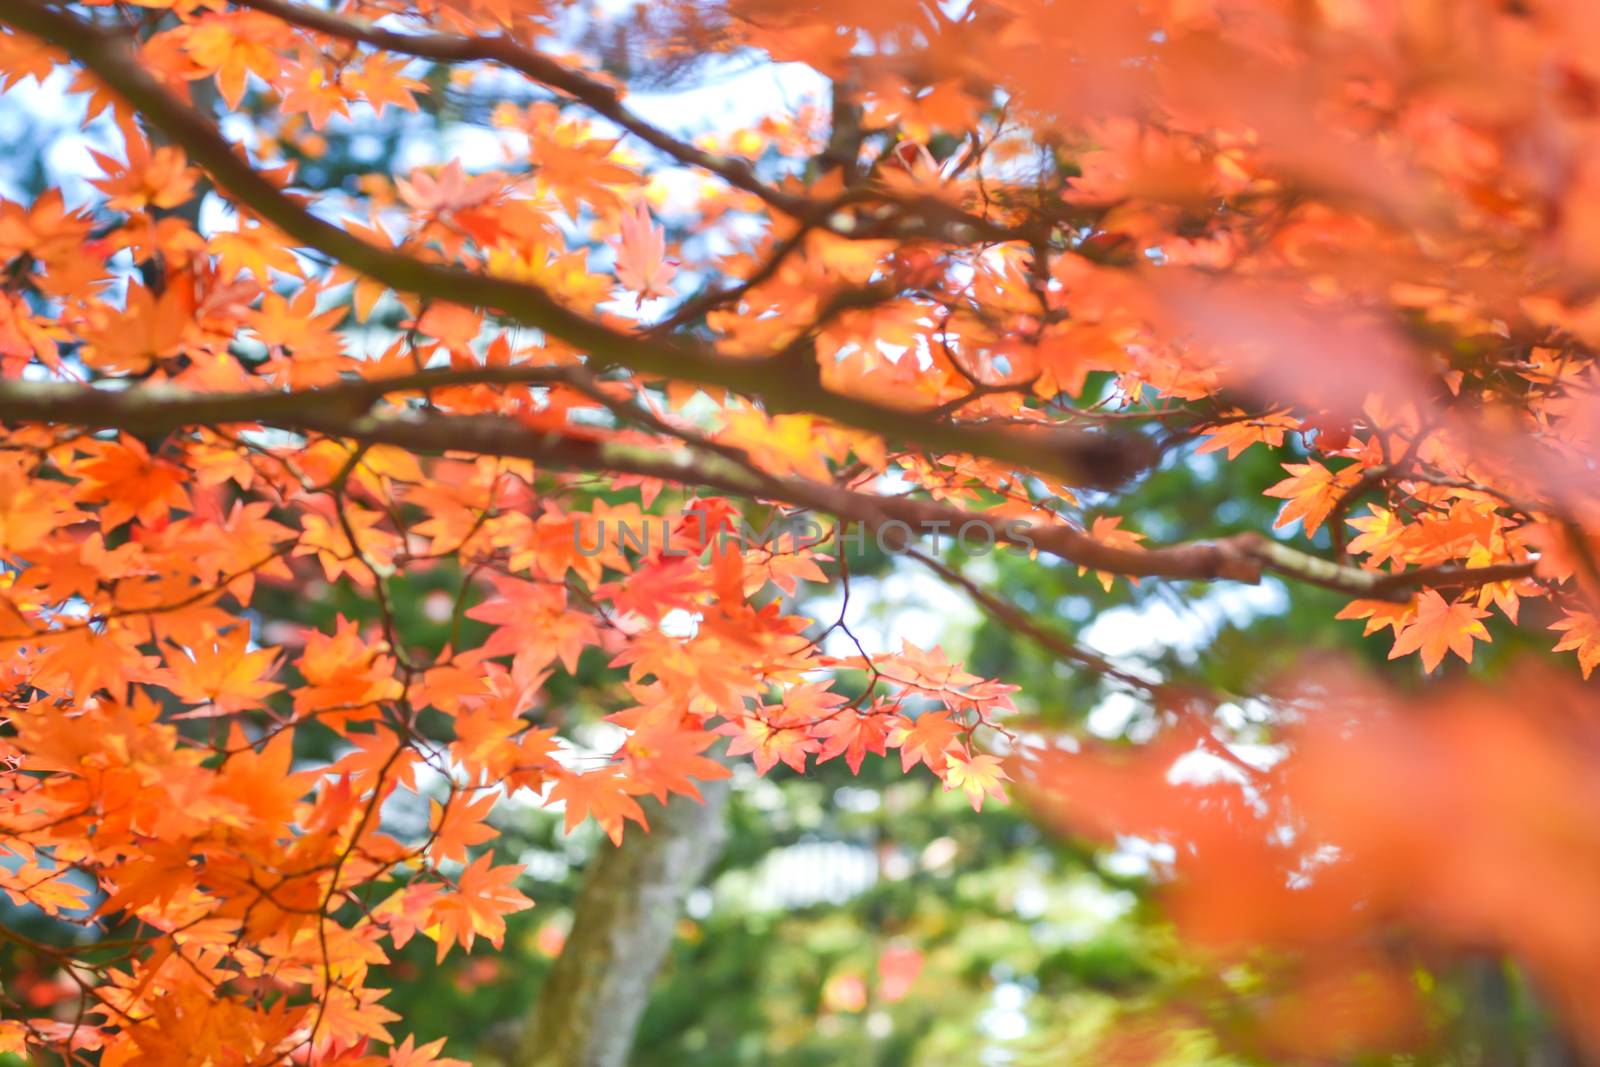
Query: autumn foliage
[{"x": 1027, "y": 252}]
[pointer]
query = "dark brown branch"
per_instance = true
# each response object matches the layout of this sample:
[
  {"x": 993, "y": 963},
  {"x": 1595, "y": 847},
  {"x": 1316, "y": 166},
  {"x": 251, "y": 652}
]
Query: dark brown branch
[
  {"x": 1078, "y": 457},
  {"x": 337, "y": 412}
]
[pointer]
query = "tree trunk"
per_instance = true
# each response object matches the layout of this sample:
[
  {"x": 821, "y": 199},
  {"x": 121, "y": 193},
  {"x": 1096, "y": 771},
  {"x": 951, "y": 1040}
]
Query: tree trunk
[
  {"x": 589, "y": 1009},
  {"x": 1509, "y": 1026}
]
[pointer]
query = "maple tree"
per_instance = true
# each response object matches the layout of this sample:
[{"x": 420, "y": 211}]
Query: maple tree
[{"x": 1027, "y": 253}]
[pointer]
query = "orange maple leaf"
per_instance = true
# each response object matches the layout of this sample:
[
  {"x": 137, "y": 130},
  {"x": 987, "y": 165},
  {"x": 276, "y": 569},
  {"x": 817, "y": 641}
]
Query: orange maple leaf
[
  {"x": 1312, "y": 491},
  {"x": 131, "y": 483},
  {"x": 926, "y": 739},
  {"x": 226, "y": 677},
  {"x": 1583, "y": 634},
  {"x": 1107, "y": 530},
  {"x": 767, "y": 745},
  {"x": 666, "y": 759},
  {"x": 483, "y": 897},
  {"x": 459, "y": 825},
  {"x": 853, "y": 735},
  {"x": 1439, "y": 627},
  {"x": 161, "y": 179},
  {"x": 410, "y": 1054},
  {"x": 605, "y": 795}
]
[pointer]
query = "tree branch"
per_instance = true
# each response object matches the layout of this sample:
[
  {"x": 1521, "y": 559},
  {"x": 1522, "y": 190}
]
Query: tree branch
[
  {"x": 340, "y": 411},
  {"x": 1020, "y": 622},
  {"x": 1076, "y": 456}
]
